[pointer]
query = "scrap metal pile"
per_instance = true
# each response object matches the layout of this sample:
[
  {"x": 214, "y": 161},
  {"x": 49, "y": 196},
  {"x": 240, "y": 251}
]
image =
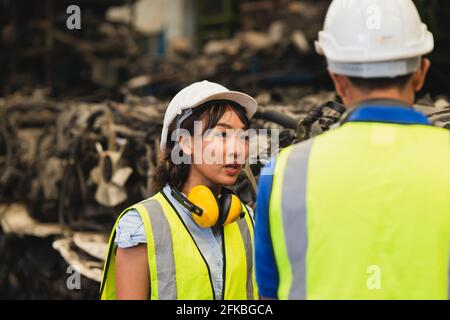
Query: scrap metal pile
[
  {"x": 58, "y": 154},
  {"x": 274, "y": 45},
  {"x": 37, "y": 48}
]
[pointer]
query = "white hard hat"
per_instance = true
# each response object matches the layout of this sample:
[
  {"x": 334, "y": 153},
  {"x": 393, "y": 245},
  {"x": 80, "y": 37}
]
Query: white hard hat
[
  {"x": 374, "y": 38},
  {"x": 199, "y": 93}
]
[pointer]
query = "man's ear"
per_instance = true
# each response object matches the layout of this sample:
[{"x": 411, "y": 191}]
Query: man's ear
[
  {"x": 418, "y": 78},
  {"x": 341, "y": 84}
]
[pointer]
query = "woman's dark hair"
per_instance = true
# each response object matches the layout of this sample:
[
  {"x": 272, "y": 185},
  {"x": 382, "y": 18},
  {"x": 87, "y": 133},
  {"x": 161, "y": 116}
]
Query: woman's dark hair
[{"x": 176, "y": 175}]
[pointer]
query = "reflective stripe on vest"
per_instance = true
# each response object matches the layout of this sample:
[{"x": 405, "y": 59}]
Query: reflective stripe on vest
[
  {"x": 363, "y": 212},
  {"x": 290, "y": 216},
  {"x": 178, "y": 269}
]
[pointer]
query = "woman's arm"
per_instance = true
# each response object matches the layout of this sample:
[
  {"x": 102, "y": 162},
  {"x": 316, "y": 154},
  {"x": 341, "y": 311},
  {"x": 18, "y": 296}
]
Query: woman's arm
[{"x": 132, "y": 274}]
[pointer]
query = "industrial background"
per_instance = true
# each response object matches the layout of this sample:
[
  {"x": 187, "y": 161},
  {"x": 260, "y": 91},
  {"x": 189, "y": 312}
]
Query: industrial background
[{"x": 81, "y": 111}]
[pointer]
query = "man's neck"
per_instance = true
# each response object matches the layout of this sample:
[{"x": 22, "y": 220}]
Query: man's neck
[{"x": 387, "y": 95}]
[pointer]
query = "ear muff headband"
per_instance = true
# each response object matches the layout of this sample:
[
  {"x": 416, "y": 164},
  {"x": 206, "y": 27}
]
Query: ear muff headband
[
  {"x": 186, "y": 203},
  {"x": 224, "y": 206}
]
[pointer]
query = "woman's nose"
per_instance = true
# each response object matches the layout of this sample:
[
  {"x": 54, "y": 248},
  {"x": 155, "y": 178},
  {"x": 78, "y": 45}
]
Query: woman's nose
[{"x": 236, "y": 148}]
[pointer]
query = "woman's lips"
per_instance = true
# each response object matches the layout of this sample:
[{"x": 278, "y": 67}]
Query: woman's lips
[{"x": 232, "y": 169}]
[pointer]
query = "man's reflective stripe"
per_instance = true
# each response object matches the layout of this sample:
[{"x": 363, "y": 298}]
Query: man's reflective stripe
[
  {"x": 245, "y": 233},
  {"x": 293, "y": 205},
  {"x": 165, "y": 262},
  {"x": 276, "y": 227}
]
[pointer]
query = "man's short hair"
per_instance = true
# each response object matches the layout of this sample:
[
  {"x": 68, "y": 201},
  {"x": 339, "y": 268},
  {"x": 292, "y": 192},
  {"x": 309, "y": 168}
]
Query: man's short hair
[{"x": 370, "y": 84}]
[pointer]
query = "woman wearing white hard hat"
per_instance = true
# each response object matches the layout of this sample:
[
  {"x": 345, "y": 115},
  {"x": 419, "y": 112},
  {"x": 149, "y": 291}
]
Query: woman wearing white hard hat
[{"x": 193, "y": 239}]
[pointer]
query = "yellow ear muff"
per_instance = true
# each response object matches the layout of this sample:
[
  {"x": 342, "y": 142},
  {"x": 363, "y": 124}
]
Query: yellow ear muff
[
  {"x": 203, "y": 197},
  {"x": 235, "y": 210}
]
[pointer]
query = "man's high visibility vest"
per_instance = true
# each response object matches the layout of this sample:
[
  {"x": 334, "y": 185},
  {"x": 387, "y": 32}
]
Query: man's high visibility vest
[
  {"x": 178, "y": 269},
  {"x": 363, "y": 212}
]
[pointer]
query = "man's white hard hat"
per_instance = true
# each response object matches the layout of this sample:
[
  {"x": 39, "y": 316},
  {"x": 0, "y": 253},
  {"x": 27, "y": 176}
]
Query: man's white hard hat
[
  {"x": 199, "y": 93},
  {"x": 374, "y": 38}
]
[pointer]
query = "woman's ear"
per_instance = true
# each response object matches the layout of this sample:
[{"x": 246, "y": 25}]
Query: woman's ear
[{"x": 186, "y": 145}]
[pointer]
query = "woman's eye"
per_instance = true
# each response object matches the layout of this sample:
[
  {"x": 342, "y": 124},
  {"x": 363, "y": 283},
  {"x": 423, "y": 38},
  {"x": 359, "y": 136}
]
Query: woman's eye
[
  {"x": 221, "y": 134},
  {"x": 244, "y": 137},
  {"x": 225, "y": 135}
]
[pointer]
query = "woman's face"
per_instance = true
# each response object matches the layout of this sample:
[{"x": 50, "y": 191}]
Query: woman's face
[{"x": 220, "y": 153}]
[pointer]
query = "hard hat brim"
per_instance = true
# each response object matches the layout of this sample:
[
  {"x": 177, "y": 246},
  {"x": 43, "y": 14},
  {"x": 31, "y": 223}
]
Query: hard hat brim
[{"x": 248, "y": 103}]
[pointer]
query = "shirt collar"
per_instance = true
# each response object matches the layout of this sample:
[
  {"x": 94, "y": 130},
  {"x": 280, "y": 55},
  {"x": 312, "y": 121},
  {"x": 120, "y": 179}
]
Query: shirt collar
[{"x": 387, "y": 111}]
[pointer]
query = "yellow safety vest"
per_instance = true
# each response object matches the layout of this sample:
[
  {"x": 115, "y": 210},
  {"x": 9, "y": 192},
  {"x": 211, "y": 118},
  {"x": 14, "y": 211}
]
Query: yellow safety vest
[
  {"x": 178, "y": 269},
  {"x": 363, "y": 212}
]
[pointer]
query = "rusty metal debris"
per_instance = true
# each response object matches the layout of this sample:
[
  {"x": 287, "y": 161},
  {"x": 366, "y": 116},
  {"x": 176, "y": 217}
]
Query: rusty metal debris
[
  {"x": 36, "y": 47},
  {"x": 16, "y": 220},
  {"x": 109, "y": 176},
  {"x": 274, "y": 44},
  {"x": 85, "y": 252},
  {"x": 58, "y": 155}
]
